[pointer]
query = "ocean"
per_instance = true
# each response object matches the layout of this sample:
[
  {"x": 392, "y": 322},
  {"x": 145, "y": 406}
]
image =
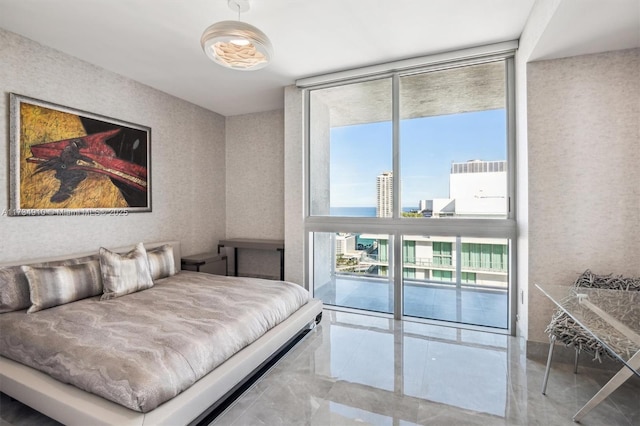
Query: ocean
[
  {"x": 359, "y": 211},
  {"x": 353, "y": 211}
]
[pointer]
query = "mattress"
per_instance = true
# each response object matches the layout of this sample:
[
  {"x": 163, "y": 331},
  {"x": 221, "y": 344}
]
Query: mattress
[{"x": 143, "y": 349}]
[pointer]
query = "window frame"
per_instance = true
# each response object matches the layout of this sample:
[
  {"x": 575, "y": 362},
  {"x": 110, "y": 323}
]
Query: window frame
[{"x": 397, "y": 226}]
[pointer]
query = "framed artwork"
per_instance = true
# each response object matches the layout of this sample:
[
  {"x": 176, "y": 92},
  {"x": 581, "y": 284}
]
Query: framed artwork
[{"x": 69, "y": 162}]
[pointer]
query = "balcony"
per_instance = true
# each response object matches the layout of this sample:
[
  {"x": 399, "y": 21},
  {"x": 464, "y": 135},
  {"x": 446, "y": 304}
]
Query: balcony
[
  {"x": 438, "y": 263},
  {"x": 443, "y": 301}
]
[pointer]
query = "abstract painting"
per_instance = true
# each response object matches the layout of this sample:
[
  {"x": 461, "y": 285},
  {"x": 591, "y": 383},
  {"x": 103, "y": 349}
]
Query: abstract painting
[{"x": 70, "y": 162}]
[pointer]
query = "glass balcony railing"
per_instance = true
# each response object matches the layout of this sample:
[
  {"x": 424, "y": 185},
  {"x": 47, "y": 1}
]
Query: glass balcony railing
[
  {"x": 478, "y": 304},
  {"x": 438, "y": 263}
]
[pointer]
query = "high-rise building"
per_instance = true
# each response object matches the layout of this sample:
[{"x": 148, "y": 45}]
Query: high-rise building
[{"x": 384, "y": 195}]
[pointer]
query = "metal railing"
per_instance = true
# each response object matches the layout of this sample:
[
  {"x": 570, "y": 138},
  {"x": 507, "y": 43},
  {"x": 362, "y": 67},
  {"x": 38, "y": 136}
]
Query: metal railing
[
  {"x": 383, "y": 279},
  {"x": 431, "y": 263}
]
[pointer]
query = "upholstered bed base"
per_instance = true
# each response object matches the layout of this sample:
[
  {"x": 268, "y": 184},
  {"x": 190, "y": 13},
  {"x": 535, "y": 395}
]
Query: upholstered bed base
[{"x": 70, "y": 405}]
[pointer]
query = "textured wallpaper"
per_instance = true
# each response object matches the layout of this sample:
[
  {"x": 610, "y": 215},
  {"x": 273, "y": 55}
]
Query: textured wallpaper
[
  {"x": 187, "y": 157},
  {"x": 294, "y": 186},
  {"x": 255, "y": 187},
  {"x": 584, "y": 173}
]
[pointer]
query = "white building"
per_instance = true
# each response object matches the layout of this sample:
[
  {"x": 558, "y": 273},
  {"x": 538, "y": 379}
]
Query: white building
[
  {"x": 479, "y": 188},
  {"x": 476, "y": 189},
  {"x": 345, "y": 244},
  {"x": 384, "y": 195}
]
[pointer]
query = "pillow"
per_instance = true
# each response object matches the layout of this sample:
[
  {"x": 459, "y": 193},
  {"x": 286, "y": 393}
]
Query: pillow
[
  {"x": 124, "y": 274},
  {"x": 14, "y": 287},
  {"x": 161, "y": 262},
  {"x": 56, "y": 285}
]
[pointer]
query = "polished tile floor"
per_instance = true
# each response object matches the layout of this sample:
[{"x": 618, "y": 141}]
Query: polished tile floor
[
  {"x": 482, "y": 307},
  {"x": 358, "y": 369}
]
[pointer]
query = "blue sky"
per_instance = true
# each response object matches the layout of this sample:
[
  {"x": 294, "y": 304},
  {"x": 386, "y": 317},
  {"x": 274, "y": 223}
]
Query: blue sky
[{"x": 428, "y": 146}]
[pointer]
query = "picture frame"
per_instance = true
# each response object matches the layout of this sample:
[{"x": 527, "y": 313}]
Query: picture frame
[{"x": 68, "y": 162}]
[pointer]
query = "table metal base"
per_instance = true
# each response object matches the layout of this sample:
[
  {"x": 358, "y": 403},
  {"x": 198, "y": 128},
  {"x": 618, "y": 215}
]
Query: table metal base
[{"x": 613, "y": 384}]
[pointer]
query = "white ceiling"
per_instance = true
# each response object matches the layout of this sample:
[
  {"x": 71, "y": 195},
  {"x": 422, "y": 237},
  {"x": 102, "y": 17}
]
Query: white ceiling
[
  {"x": 581, "y": 27},
  {"x": 157, "y": 42}
]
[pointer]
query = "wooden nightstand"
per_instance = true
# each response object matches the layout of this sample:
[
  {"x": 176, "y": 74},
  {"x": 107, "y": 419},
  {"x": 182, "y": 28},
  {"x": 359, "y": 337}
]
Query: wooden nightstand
[{"x": 211, "y": 263}]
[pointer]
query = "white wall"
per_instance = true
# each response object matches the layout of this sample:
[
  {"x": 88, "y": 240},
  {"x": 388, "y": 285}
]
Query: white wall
[
  {"x": 294, "y": 186},
  {"x": 187, "y": 160},
  {"x": 583, "y": 152},
  {"x": 539, "y": 17},
  {"x": 255, "y": 187}
]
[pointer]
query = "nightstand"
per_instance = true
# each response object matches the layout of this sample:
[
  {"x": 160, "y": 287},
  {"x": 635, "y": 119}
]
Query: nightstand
[{"x": 211, "y": 263}]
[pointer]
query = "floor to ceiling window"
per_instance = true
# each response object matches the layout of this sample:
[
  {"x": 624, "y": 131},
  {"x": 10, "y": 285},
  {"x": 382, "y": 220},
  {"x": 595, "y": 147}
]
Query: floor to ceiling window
[{"x": 410, "y": 188}]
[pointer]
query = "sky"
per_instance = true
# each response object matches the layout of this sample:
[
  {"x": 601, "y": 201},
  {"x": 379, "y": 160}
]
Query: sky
[{"x": 428, "y": 146}]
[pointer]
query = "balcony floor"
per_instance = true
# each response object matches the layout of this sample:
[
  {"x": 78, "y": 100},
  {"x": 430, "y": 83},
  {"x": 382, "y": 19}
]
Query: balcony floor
[{"x": 481, "y": 307}]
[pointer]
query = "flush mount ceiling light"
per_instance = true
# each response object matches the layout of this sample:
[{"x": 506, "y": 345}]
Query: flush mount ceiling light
[{"x": 237, "y": 45}]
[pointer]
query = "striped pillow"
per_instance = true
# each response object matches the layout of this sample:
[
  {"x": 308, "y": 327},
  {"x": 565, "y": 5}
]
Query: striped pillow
[
  {"x": 14, "y": 287},
  {"x": 126, "y": 273},
  {"x": 56, "y": 285},
  {"x": 161, "y": 262}
]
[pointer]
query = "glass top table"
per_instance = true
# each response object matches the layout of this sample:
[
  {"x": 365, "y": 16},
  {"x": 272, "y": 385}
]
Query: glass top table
[{"x": 610, "y": 316}]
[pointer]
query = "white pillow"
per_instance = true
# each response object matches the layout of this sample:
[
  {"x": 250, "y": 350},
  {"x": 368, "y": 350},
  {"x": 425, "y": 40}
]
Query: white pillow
[{"x": 124, "y": 274}]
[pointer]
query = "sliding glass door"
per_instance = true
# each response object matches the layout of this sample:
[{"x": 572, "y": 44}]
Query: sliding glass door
[
  {"x": 352, "y": 277},
  {"x": 463, "y": 280}
]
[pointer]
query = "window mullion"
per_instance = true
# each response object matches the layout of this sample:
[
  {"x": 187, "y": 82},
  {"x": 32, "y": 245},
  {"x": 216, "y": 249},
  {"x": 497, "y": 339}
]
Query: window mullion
[
  {"x": 395, "y": 116},
  {"x": 398, "y": 260}
]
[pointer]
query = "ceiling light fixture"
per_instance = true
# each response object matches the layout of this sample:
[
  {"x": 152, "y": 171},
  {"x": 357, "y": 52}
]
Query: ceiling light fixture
[{"x": 237, "y": 45}]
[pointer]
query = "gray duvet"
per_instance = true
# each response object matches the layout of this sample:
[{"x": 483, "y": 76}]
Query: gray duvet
[{"x": 143, "y": 349}]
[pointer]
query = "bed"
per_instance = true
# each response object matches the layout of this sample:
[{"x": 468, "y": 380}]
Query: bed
[{"x": 199, "y": 339}]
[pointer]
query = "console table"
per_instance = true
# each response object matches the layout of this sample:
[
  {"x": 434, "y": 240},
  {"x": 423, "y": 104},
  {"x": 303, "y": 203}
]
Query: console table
[
  {"x": 613, "y": 318},
  {"x": 205, "y": 262},
  {"x": 256, "y": 244}
]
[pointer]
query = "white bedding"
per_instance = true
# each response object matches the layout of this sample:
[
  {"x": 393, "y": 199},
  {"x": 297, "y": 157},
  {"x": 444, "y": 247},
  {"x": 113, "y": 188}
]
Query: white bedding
[{"x": 144, "y": 348}]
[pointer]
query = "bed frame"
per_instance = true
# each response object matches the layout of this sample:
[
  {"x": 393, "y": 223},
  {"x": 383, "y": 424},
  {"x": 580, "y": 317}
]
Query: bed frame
[{"x": 73, "y": 406}]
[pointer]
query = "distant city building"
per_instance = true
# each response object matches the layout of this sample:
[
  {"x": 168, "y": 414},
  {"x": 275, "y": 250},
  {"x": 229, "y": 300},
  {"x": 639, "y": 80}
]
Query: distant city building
[
  {"x": 482, "y": 261},
  {"x": 384, "y": 195},
  {"x": 425, "y": 205},
  {"x": 345, "y": 244},
  {"x": 476, "y": 189},
  {"x": 479, "y": 188}
]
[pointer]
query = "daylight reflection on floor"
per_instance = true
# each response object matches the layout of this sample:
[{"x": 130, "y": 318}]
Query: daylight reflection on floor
[
  {"x": 358, "y": 369},
  {"x": 464, "y": 305}
]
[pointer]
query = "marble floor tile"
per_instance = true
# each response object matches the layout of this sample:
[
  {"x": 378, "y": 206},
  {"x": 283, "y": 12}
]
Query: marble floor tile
[
  {"x": 366, "y": 370},
  {"x": 386, "y": 372}
]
